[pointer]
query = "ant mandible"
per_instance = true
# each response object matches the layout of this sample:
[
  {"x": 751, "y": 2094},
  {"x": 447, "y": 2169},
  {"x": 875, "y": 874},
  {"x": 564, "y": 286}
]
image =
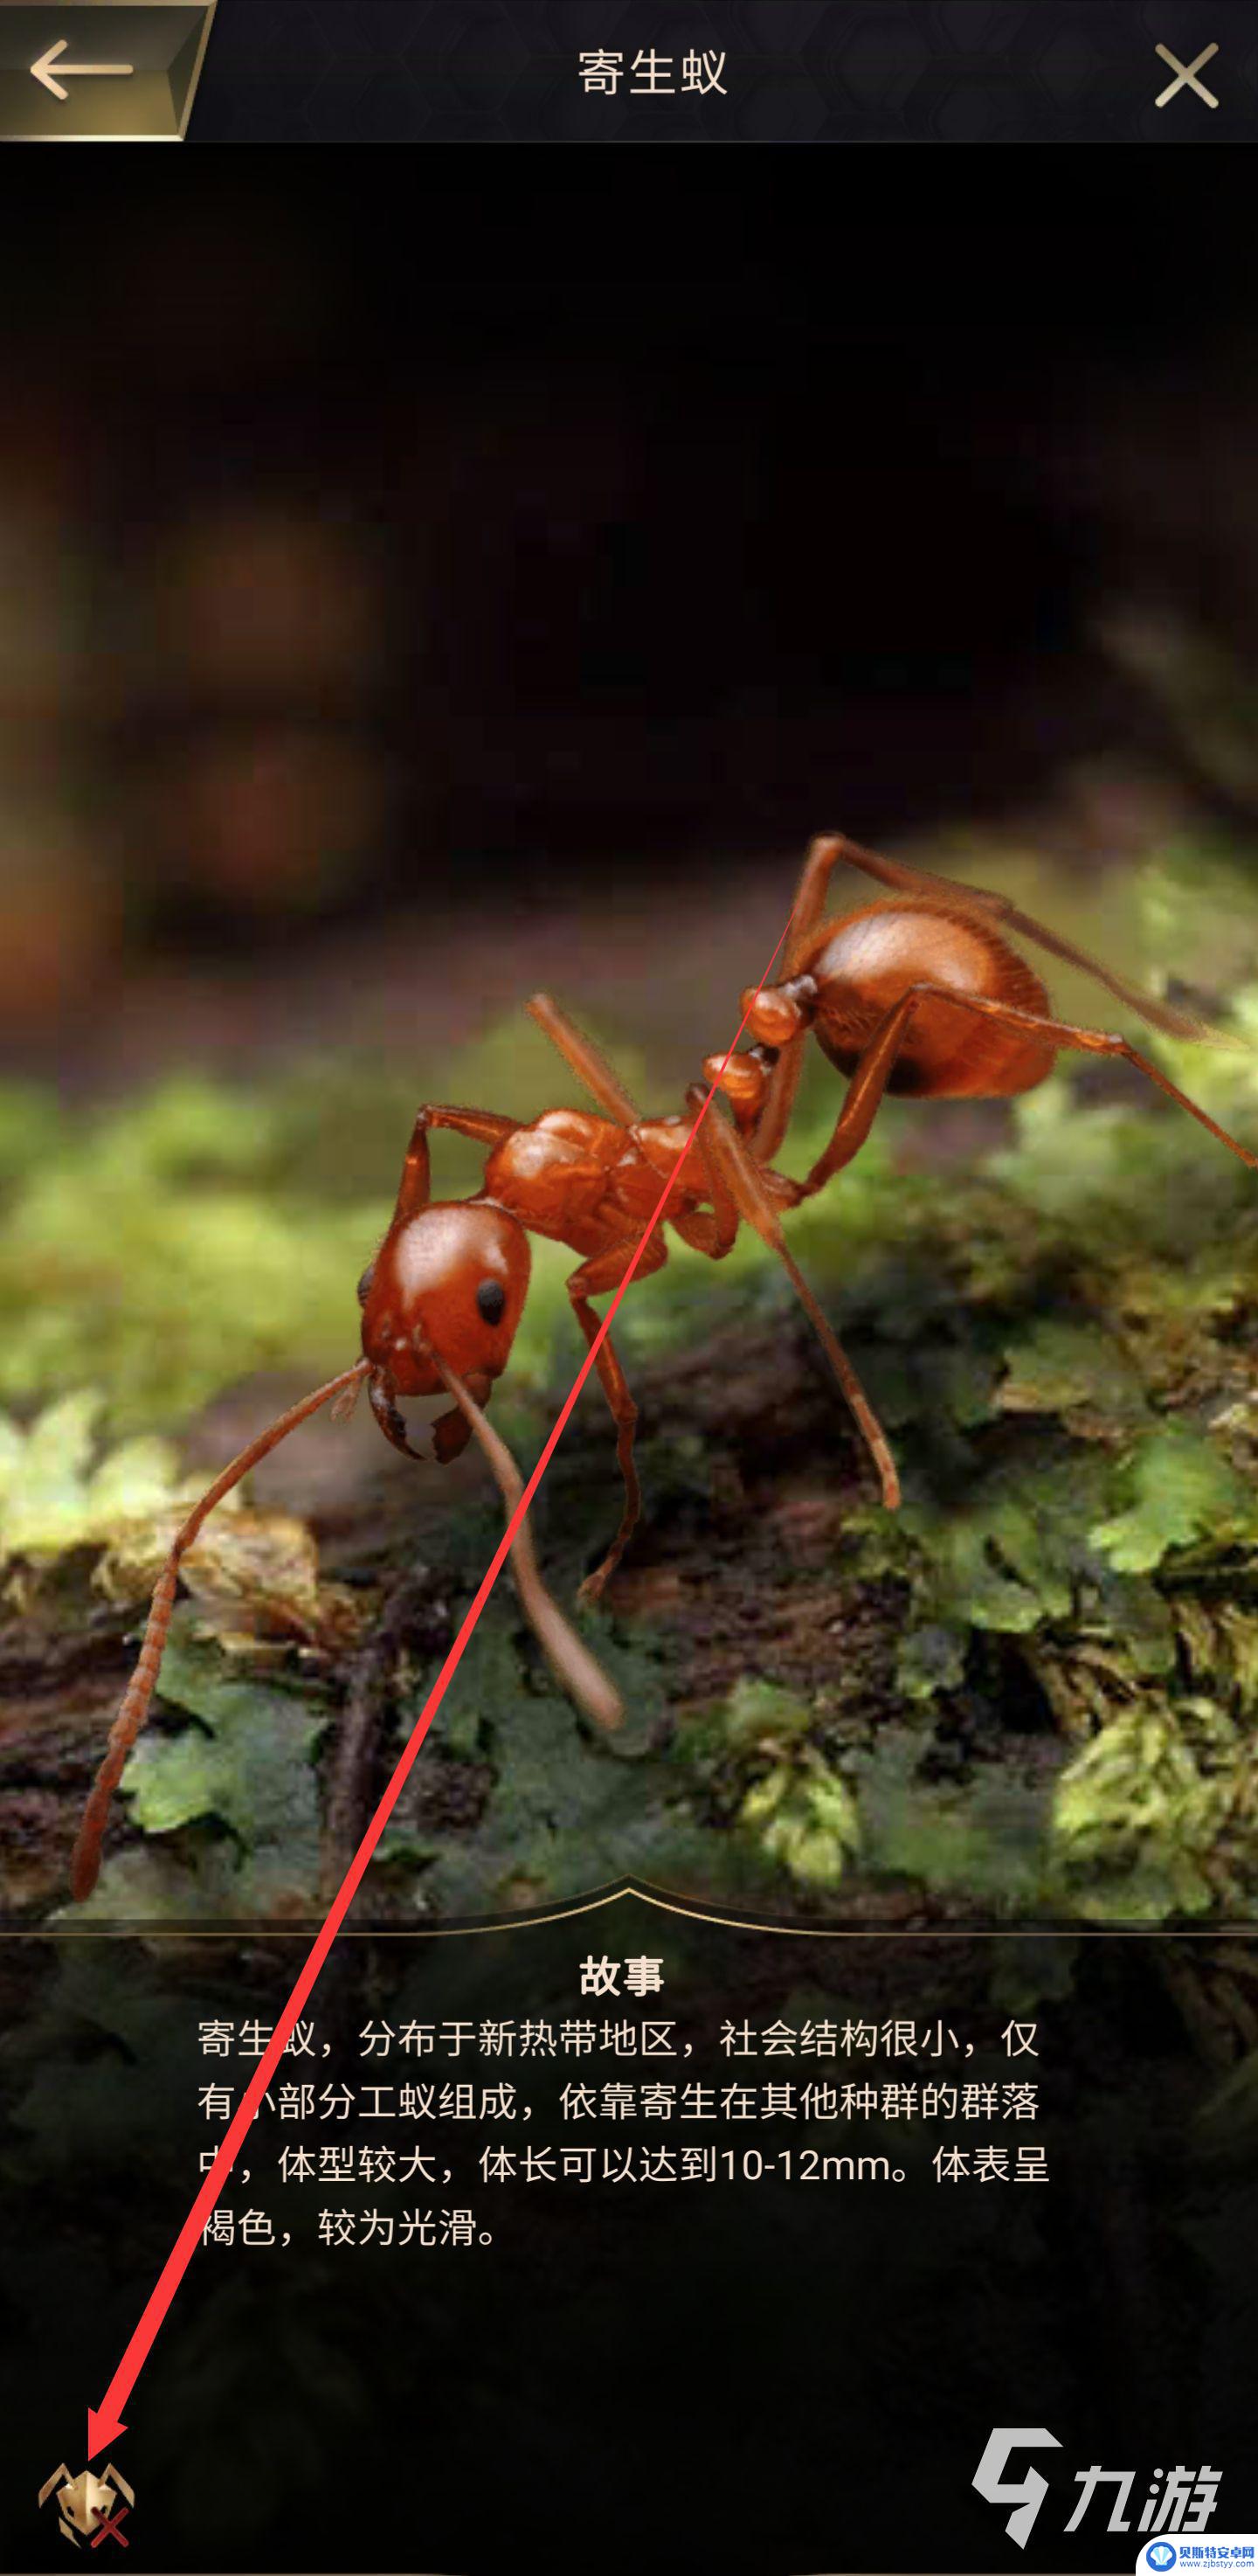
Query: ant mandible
[{"x": 442, "y": 1301}]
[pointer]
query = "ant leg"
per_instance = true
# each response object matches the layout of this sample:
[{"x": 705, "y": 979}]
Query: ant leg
[
  {"x": 865, "y": 1091},
  {"x": 769, "y": 1132},
  {"x": 585, "y": 1060},
  {"x": 869, "y": 1081},
  {"x": 483, "y": 1125},
  {"x": 1063, "y": 1033},
  {"x": 134, "y": 1709},
  {"x": 981, "y": 902},
  {"x": 753, "y": 1192},
  {"x": 824, "y": 852},
  {"x": 711, "y": 1232},
  {"x": 605, "y": 1271}
]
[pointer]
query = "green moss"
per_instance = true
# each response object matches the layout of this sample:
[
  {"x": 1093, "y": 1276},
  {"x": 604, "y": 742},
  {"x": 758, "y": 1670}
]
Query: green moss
[
  {"x": 1178, "y": 1489},
  {"x": 58, "y": 1493},
  {"x": 1059, "y": 1340},
  {"x": 1142, "y": 1814},
  {"x": 242, "y": 1772},
  {"x": 754, "y": 1759},
  {"x": 804, "y": 1817},
  {"x": 143, "y": 1259},
  {"x": 986, "y": 1838},
  {"x": 165, "y": 1247}
]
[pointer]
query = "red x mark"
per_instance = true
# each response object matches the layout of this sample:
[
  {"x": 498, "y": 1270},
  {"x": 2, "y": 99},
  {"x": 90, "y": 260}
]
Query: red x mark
[{"x": 100, "y": 2511}]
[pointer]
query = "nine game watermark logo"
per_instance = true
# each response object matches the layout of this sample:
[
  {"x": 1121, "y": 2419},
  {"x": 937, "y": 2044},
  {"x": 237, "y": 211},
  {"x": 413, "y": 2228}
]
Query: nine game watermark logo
[
  {"x": 1179, "y": 2500},
  {"x": 88, "y": 2506}
]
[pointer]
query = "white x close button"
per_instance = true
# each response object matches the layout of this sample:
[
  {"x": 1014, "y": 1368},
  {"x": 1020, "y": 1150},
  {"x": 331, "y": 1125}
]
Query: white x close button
[{"x": 1186, "y": 75}]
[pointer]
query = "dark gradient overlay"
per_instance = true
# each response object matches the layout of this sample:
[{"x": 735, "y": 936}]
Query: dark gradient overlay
[
  {"x": 761, "y": 2375},
  {"x": 729, "y": 496}
]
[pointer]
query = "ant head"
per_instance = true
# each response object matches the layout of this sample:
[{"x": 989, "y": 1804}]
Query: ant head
[
  {"x": 776, "y": 1012},
  {"x": 452, "y": 1279}
]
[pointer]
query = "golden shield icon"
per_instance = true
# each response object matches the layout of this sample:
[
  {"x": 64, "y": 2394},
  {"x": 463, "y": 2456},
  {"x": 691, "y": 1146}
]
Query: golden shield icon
[{"x": 86, "y": 2504}]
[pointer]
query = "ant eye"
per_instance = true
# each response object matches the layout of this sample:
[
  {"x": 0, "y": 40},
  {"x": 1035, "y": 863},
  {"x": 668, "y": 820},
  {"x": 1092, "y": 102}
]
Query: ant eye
[{"x": 491, "y": 1298}]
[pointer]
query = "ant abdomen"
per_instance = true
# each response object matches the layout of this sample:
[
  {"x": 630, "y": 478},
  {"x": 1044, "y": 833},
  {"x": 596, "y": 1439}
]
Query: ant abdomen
[{"x": 864, "y": 964}]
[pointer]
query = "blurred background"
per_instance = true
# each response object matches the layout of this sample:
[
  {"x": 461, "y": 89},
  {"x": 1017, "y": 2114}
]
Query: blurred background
[
  {"x": 420, "y": 579},
  {"x": 429, "y": 577}
]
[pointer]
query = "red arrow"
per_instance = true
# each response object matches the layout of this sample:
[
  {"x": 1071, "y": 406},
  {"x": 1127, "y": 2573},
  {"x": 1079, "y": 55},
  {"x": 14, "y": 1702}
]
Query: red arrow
[{"x": 105, "y": 2422}]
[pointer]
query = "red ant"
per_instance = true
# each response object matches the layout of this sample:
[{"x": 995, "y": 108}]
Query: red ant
[
  {"x": 885, "y": 990},
  {"x": 442, "y": 1300},
  {"x": 920, "y": 994}
]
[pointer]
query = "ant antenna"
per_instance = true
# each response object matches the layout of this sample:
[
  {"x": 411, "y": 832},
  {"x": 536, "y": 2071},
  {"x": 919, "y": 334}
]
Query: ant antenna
[
  {"x": 137, "y": 1698},
  {"x": 570, "y": 1660}
]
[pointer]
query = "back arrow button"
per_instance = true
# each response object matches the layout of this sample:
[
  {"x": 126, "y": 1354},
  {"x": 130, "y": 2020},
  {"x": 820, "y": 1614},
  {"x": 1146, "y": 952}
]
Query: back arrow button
[{"x": 75, "y": 71}]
